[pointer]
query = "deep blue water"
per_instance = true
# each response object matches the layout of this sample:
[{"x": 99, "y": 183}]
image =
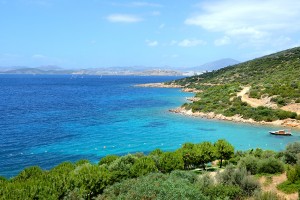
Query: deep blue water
[{"x": 45, "y": 120}]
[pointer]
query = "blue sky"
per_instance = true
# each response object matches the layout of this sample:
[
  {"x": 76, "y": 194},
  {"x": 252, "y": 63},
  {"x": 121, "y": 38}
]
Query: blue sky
[{"x": 102, "y": 33}]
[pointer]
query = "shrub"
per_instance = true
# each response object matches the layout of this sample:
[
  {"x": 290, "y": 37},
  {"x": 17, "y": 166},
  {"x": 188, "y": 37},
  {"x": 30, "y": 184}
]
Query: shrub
[
  {"x": 170, "y": 161},
  {"x": 120, "y": 168},
  {"x": 250, "y": 163},
  {"x": 205, "y": 181},
  {"x": 223, "y": 192},
  {"x": 153, "y": 186},
  {"x": 291, "y": 152},
  {"x": 266, "y": 196},
  {"x": 270, "y": 166},
  {"x": 90, "y": 179},
  {"x": 143, "y": 166},
  {"x": 249, "y": 185},
  {"x": 293, "y": 173},
  {"x": 30, "y": 172},
  {"x": 108, "y": 159}
]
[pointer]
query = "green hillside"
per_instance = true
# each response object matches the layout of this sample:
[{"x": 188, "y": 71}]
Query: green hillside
[{"x": 276, "y": 76}]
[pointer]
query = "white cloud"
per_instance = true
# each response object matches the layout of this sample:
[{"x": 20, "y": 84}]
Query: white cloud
[
  {"x": 190, "y": 43},
  {"x": 162, "y": 26},
  {"x": 252, "y": 20},
  {"x": 152, "y": 43},
  {"x": 123, "y": 18},
  {"x": 222, "y": 41}
]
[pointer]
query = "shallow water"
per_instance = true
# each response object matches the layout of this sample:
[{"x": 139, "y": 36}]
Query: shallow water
[{"x": 45, "y": 120}]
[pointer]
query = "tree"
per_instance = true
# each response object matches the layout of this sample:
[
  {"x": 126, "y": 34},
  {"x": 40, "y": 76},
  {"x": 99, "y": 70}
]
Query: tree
[
  {"x": 143, "y": 166},
  {"x": 170, "y": 161},
  {"x": 188, "y": 152},
  {"x": 224, "y": 150},
  {"x": 291, "y": 152},
  {"x": 205, "y": 153}
]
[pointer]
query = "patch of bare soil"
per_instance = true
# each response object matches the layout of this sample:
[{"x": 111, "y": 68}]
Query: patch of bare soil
[
  {"x": 295, "y": 107},
  {"x": 266, "y": 101},
  {"x": 271, "y": 187}
]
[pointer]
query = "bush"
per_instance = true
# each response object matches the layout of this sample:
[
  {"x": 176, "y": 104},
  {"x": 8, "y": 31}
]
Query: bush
[
  {"x": 249, "y": 185},
  {"x": 250, "y": 163},
  {"x": 90, "y": 179},
  {"x": 120, "y": 168},
  {"x": 293, "y": 173},
  {"x": 288, "y": 187},
  {"x": 205, "y": 181},
  {"x": 153, "y": 186},
  {"x": 30, "y": 172},
  {"x": 266, "y": 196},
  {"x": 291, "y": 152},
  {"x": 108, "y": 159},
  {"x": 223, "y": 192},
  {"x": 143, "y": 166},
  {"x": 238, "y": 177},
  {"x": 270, "y": 166},
  {"x": 170, "y": 161}
]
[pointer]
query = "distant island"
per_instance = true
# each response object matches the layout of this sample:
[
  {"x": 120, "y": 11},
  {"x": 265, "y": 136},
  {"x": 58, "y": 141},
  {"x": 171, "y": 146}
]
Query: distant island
[
  {"x": 122, "y": 71},
  {"x": 265, "y": 90}
]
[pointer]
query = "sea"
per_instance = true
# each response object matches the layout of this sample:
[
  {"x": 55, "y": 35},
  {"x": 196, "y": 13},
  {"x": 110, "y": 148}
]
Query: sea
[{"x": 48, "y": 119}]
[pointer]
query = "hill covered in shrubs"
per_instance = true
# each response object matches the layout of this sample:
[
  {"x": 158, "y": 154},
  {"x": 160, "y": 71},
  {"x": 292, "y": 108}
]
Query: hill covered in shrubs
[
  {"x": 274, "y": 77},
  {"x": 161, "y": 175}
]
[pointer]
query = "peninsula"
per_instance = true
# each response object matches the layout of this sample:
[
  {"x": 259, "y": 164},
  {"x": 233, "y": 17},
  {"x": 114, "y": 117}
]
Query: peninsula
[{"x": 265, "y": 90}]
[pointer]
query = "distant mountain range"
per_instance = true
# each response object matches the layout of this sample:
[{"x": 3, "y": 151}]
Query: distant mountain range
[
  {"x": 135, "y": 70},
  {"x": 215, "y": 65}
]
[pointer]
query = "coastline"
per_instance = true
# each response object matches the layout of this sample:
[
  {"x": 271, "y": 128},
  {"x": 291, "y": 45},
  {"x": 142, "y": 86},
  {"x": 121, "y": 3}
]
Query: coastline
[{"x": 289, "y": 123}]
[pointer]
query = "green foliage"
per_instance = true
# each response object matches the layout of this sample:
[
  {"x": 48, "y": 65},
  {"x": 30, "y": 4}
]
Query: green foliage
[
  {"x": 266, "y": 196},
  {"x": 156, "y": 152},
  {"x": 275, "y": 76},
  {"x": 223, "y": 192},
  {"x": 117, "y": 176},
  {"x": 205, "y": 153},
  {"x": 143, "y": 166},
  {"x": 170, "y": 161},
  {"x": 238, "y": 177},
  {"x": 108, "y": 159},
  {"x": 153, "y": 186},
  {"x": 250, "y": 163},
  {"x": 189, "y": 155},
  {"x": 288, "y": 187},
  {"x": 224, "y": 150},
  {"x": 195, "y": 155},
  {"x": 291, "y": 152},
  {"x": 270, "y": 166},
  {"x": 90, "y": 179},
  {"x": 293, "y": 173},
  {"x": 30, "y": 172}
]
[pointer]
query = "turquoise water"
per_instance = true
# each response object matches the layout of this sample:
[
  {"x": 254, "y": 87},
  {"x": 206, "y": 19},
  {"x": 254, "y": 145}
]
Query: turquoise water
[{"x": 49, "y": 119}]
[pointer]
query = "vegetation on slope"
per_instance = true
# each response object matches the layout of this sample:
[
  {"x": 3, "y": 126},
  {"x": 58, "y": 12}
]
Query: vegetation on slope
[
  {"x": 275, "y": 76},
  {"x": 159, "y": 175}
]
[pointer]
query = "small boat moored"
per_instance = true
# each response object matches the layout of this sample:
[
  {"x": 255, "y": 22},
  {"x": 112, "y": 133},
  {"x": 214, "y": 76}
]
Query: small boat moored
[{"x": 281, "y": 132}]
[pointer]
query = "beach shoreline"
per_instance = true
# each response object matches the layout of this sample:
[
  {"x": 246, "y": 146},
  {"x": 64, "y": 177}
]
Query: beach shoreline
[{"x": 288, "y": 123}]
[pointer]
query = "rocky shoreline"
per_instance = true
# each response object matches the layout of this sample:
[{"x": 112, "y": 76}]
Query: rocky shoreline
[
  {"x": 159, "y": 85},
  {"x": 290, "y": 123}
]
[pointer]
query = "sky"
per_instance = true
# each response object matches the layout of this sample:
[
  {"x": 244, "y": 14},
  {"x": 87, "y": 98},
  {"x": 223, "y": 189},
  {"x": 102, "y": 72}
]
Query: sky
[{"x": 173, "y": 33}]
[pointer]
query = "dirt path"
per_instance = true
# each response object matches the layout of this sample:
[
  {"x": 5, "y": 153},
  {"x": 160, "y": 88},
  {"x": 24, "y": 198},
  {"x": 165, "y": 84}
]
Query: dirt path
[
  {"x": 295, "y": 107},
  {"x": 255, "y": 102},
  {"x": 272, "y": 186}
]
